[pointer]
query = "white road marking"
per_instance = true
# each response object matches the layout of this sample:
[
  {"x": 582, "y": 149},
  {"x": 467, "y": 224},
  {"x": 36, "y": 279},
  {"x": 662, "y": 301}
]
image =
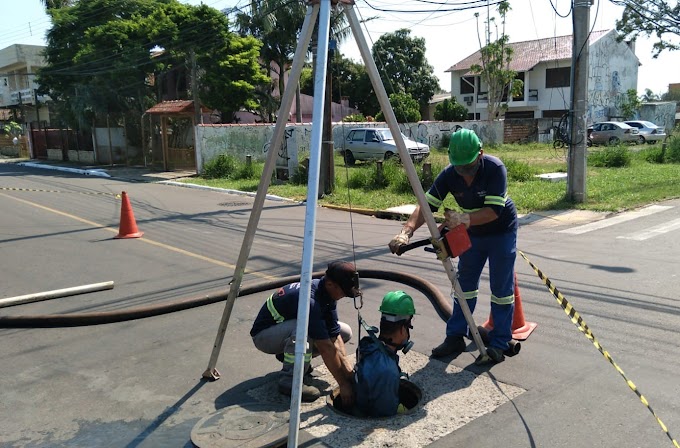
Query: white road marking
[
  {"x": 653, "y": 231},
  {"x": 628, "y": 216}
]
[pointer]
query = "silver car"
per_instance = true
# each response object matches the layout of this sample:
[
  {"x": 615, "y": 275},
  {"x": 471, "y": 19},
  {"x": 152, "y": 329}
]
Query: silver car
[
  {"x": 378, "y": 144},
  {"x": 648, "y": 131},
  {"x": 613, "y": 133}
]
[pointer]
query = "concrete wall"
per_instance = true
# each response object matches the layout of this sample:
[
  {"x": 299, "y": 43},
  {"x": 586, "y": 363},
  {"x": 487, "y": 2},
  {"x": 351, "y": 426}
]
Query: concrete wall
[
  {"x": 119, "y": 150},
  {"x": 613, "y": 70},
  {"x": 242, "y": 140},
  {"x": 661, "y": 114}
]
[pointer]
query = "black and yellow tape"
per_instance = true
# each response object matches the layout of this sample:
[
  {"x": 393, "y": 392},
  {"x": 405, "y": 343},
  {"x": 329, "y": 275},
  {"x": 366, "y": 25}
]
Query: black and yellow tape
[
  {"x": 38, "y": 190},
  {"x": 579, "y": 322}
]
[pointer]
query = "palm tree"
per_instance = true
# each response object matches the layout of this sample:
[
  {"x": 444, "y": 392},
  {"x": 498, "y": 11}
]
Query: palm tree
[{"x": 57, "y": 4}]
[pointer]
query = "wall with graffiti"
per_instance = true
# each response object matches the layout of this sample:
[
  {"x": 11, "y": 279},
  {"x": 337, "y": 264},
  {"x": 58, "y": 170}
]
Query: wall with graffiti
[
  {"x": 613, "y": 69},
  {"x": 254, "y": 139},
  {"x": 661, "y": 114}
]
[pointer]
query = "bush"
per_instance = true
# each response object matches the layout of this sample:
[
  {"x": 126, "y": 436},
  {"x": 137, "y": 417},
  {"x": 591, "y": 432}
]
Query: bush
[
  {"x": 355, "y": 118},
  {"x": 446, "y": 139},
  {"x": 221, "y": 167},
  {"x": 301, "y": 176},
  {"x": 519, "y": 171},
  {"x": 673, "y": 150},
  {"x": 610, "y": 157},
  {"x": 405, "y": 108},
  {"x": 652, "y": 155},
  {"x": 450, "y": 110}
]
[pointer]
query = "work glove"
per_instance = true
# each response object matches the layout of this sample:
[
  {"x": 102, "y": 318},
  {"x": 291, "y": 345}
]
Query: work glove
[
  {"x": 453, "y": 219},
  {"x": 401, "y": 239}
]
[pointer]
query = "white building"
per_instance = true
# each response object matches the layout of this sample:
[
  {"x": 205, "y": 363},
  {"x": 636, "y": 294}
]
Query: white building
[
  {"x": 18, "y": 65},
  {"x": 544, "y": 65}
]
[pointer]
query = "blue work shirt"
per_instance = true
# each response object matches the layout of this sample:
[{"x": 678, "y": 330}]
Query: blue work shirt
[
  {"x": 376, "y": 379},
  {"x": 488, "y": 189},
  {"x": 323, "y": 314}
]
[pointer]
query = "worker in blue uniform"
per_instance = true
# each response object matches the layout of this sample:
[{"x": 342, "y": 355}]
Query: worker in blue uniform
[
  {"x": 478, "y": 183},
  {"x": 274, "y": 329},
  {"x": 377, "y": 373}
]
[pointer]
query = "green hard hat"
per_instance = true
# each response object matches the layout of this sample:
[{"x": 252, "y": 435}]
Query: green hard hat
[
  {"x": 396, "y": 306},
  {"x": 464, "y": 147}
]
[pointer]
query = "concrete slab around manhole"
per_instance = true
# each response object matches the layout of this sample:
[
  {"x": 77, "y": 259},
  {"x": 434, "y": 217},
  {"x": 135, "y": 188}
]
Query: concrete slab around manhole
[
  {"x": 452, "y": 397},
  {"x": 404, "y": 209},
  {"x": 553, "y": 177}
]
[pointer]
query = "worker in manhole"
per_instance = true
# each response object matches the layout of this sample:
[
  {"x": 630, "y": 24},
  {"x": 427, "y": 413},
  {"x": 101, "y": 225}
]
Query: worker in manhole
[
  {"x": 478, "y": 183},
  {"x": 273, "y": 331},
  {"x": 377, "y": 373}
]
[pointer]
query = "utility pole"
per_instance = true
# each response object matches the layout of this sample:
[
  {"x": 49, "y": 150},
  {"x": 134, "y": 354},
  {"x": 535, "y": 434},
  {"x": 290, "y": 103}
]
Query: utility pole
[
  {"x": 198, "y": 116},
  {"x": 327, "y": 173},
  {"x": 576, "y": 163}
]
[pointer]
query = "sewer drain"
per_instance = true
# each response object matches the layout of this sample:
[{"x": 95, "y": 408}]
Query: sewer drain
[
  {"x": 409, "y": 395},
  {"x": 247, "y": 426}
]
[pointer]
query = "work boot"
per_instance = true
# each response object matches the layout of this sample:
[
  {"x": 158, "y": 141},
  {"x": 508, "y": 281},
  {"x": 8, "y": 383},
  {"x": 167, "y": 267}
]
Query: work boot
[
  {"x": 451, "y": 345},
  {"x": 493, "y": 356},
  {"x": 309, "y": 393}
]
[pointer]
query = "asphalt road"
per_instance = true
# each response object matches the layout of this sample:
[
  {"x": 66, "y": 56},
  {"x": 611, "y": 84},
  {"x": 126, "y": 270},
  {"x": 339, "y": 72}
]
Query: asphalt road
[{"x": 138, "y": 383}]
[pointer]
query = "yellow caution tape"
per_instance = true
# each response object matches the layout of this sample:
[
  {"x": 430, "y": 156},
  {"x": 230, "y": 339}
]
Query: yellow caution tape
[
  {"x": 93, "y": 193},
  {"x": 578, "y": 321}
]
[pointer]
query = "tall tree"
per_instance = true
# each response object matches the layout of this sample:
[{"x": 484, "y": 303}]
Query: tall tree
[
  {"x": 278, "y": 23},
  {"x": 102, "y": 56},
  {"x": 56, "y": 4},
  {"x": 652, "y": 17},
  {"x": 403, "y": 66},
  {"x": 494, "y": 69},
  {"x": 346, "y": 74}
]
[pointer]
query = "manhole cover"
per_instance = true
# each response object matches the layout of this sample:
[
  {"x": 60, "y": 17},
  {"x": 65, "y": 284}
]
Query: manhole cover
[{"x": 247, "y": 425}]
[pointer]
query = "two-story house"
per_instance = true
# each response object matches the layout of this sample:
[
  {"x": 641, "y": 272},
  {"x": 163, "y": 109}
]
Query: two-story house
[
  {"x": 544, "y": 65},
  {"x": 18, "y": 66}
]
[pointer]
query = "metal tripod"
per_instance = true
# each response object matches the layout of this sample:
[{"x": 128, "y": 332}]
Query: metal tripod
[{"x": 322, "y": 10}]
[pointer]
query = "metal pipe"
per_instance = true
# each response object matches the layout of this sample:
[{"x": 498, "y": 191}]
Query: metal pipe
[
  {"x": 310, "y": 218},
  {"x": 406, "y": 161},
  {"x": 54, "y": 294}
]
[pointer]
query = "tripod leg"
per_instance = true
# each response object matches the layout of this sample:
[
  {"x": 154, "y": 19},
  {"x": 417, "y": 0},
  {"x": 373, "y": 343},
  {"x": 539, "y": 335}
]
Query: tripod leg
[
  {"x": 286, "y": 103},
  {"x": 408, "y": 166}
]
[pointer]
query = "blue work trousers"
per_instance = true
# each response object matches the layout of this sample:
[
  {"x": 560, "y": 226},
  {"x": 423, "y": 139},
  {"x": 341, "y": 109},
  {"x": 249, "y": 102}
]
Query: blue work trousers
[{"x": 501, "y": 251}]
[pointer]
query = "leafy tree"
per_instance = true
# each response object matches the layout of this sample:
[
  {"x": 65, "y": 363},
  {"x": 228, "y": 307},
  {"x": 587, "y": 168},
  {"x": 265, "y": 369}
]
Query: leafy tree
[
  {"x": 403, "y": 67},
  {"x": 630, "y": 105},
  {"x": 13, "y": 128},
  {"x": 450, "y": 110},
  {"x": 671, "y": 95},
  {"x": 657, "y": 18},
  {"x": 56, "y": 4},
  {"x": 405, "y": 108},
  {"x": 110, "y": 57},
  {"x": 495, "y": 65},
  {"x": 345, "y": 73}
]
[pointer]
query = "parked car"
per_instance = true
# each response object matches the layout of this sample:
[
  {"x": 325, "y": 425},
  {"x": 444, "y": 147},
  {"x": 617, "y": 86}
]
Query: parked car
[
  {"x": 613, "y": 133},
  {"x": 378, "y": 144},
  {"x": 649, "y": 132}
]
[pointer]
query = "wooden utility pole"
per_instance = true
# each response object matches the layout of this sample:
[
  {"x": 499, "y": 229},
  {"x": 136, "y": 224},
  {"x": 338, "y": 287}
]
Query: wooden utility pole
[{"x": 576, "y": 163}]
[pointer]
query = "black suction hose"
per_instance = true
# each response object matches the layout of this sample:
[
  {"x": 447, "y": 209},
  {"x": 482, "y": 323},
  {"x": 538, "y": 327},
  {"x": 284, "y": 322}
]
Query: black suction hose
[{"x": 439, "y": 301}]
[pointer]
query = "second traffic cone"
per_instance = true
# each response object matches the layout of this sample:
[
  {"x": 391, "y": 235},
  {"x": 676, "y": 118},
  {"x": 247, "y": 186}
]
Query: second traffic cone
[
  {"x": 128, "y": 226},
  {"x": 520, "y": 328}
]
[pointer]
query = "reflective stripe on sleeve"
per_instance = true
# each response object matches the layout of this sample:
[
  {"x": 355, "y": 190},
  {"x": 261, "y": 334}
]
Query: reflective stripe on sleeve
[
  {"x": 434, "y": 202},
  {"x": 275, "y": 314},
  {"x": 495, "y": 200},
  {"x": 469, "y": 295}
]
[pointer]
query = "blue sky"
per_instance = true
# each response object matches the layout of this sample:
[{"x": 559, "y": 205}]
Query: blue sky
[{"x": 449, "y": 36}]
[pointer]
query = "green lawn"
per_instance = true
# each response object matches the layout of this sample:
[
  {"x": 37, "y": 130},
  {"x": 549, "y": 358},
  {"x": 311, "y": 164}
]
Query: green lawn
[{"x": 608, "y": 189}]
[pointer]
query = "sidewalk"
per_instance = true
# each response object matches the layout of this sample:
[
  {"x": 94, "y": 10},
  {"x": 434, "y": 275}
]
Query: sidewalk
[{"x": 550, "y": 218}]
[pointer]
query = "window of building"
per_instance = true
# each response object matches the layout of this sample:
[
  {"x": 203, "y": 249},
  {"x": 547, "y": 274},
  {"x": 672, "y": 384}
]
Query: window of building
[
  {"x": 473, "y": 116},
  {"x": 467, "y": 84},
  {"x": 557, "y": 77},
  {"x": 520, "y": 114},
  {"x": 554, "y": 113}
]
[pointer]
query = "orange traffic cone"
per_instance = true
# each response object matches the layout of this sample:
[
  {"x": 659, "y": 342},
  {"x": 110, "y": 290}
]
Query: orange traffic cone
[
  {"x": 128, "y": 226},
  {"x": 520, "y": 328}
]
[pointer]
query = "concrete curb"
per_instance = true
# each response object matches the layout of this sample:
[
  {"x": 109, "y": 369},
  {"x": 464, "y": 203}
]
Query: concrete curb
[
  {"x": 97, "y": 172},
  {"x": 270, "y": 197}
]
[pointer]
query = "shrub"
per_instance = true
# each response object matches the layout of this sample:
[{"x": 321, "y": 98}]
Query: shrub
[
  {"x": 223, "y": 166},
  {"x": 355, "y": 118},
  {"x": 610, "y": 157},
  {"x": 301, "y": 176},
  {"x": 246, "y": 171},
  {"x": 673, "y": 150},
  {"x": 450, "y": 110},
  {"x": 519, "y": 171},
  {"x": 405, "y": 108},
  {"x": 652, "y": 155},
  {"x": 446, "y": 139}
]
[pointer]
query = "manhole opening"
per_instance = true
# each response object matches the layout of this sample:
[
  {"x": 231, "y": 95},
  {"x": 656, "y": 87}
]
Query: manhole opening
[{"x": 409, "y": 395}]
